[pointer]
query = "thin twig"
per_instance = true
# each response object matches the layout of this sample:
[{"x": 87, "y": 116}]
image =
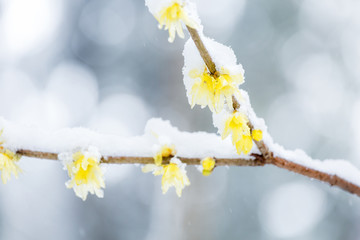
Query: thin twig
[
  {"x": 203, "y": 51},
  {"x": 256, "y": 161}
]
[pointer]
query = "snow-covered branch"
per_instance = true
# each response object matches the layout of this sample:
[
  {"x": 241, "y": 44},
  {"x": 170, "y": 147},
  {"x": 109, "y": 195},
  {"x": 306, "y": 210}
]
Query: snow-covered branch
[
  {"x": 212, "y": 78},
  {"x": 335, "y": 172}
]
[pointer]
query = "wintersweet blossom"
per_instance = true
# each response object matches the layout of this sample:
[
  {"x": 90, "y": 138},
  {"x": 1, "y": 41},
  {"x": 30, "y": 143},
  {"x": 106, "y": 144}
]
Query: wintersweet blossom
[
  {"x": 170, "y": 15},
  {"x": 257, "y": 134},
  {"x": 8, "y": 164},
  {"x": 164, "y": 151},
  {"x": 244, "y": 145},
  {"x": 207, "y": 165},
  {"x": 85, "y": 172},
  {"x": 214, "y": 91},
  {"x": 173, "y": 175},
  {"x": 236, "y": 124}
]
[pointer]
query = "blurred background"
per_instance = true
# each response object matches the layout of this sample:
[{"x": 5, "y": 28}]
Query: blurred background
[{"x": 105, "y": 65}]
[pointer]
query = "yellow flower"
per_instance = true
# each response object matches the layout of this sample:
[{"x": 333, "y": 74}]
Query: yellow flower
[
  {"x": 174, "y": 174},
  {"x": 85, "y": 172},
  {"x": 244, "y": 144},
  {"x": 165, "y": 151},
  {"x": 171, "y": 17},
  {"x": 213, "y": 91},
  {"x": 257, "y": 134},
  {"x": 208, "y": 165},
  {"x": 8, "y": 164},
  {"x": 236, "y": 124}
]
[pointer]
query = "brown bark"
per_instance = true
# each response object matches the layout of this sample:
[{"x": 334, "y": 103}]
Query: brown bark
[
  {"x": 333, "y": 180},
  {"x": 203, "y": 51},
  {"x": 150, "y": 160}
]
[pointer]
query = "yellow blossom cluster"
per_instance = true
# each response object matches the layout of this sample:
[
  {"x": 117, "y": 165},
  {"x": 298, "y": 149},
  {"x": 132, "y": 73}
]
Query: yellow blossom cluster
[
  {"x": 171, "y": 17},
  {"x": 84, "y": 170},
  {"x": 173, "y": 174},
  {"x": 8, "y": 164},
  {"x": 214, "y": 91},
  {"x": 242, "y": 136}
]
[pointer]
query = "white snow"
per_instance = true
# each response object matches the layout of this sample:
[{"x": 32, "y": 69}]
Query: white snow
[
  {"x": 157, "y": 131},
  {"x": 89, "y": 152},
  {"x": 223, "y": 56},
  {"x": 341, "y": 168},
  {"x": 197, "y": 144}
]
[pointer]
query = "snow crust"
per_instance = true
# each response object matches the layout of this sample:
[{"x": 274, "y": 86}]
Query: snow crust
[
  {"x": 341, "y": 168},
  {"x": 222, "y": 56},
  {"x": 157, "y": 131}
]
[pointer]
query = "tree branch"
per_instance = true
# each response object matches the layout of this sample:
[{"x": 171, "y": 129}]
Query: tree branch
[
  {"x": 267, "y": 156},
  {"x": 257, "y": 161}
]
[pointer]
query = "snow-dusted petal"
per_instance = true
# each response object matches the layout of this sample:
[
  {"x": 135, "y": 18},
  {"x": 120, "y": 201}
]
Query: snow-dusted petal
[
  {"x": 85, "y": 172},
  {"x": 174, "y": 176},
  {"x": 235, "y": 123},
  {"x": 171, "y": 13},
  {"x": 8, "y": 164},
  {"x": 204, "y": 89}
]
